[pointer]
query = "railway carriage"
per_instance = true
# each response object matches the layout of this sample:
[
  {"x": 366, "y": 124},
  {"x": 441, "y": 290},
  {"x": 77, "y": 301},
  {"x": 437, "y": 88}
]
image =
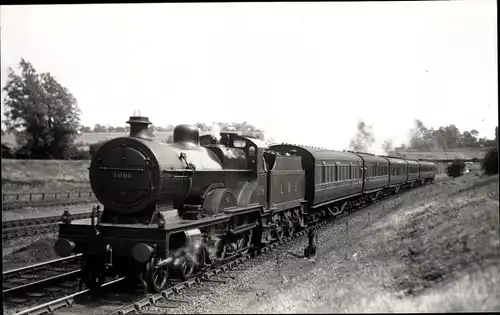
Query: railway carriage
[
  {"x": 413, "y": 173},
  {"x": 376, "y": 173},
  {"x": 427, "y": 171},
  {"x": 172, "y": 209},
  {"x": 397, "y": 172}
]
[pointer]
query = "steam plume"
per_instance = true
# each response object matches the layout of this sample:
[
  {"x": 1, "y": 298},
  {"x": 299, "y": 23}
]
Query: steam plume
[
  {"x": 215, "y": 131},
  {"x": 364, "y": 138}
]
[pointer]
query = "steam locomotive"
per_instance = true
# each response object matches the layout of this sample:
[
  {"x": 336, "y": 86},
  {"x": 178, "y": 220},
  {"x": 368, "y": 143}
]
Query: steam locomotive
[{"x": 173, "y": 209}]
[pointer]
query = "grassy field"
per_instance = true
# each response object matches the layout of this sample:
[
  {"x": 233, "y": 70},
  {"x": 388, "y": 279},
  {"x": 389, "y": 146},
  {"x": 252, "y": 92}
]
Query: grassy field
[{"x": 20, "y": 176}]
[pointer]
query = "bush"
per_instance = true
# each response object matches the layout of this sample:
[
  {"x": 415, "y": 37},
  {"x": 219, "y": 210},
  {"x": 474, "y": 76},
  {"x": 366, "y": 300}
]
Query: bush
[
  {"x": 490, "y": 162},
  {"x": 456, "y": 169},
  {"x": 74, "y": 153},
  {"x": 7, "y": 152},
  {"x": 94, "y": 147}
]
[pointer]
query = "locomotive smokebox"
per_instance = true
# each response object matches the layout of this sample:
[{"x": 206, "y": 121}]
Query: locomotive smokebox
[
  {"x": 186, "y": 133},
  {"x": 139, "y": 126}
]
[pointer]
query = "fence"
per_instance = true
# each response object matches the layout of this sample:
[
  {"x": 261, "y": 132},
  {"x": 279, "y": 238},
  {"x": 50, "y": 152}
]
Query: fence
[{"x": 49, "y": 196}]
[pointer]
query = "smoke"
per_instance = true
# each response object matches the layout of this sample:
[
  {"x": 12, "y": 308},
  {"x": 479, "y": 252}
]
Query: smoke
[
  {"x": 387, "y": 147},
  {"x": 215, "y": 131},
  {"x": 364, "y": 139}
]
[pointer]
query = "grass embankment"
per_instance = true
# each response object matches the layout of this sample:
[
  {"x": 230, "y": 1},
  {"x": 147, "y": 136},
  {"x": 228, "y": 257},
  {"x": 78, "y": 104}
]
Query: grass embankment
[
  {"x": 28, "y": 176},
  {"x": 439, "y": 254},
  {"x": 435, "y": 249}
]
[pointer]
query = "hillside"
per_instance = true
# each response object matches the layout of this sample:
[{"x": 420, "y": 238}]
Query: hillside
[{"x": 20, "y": 176}]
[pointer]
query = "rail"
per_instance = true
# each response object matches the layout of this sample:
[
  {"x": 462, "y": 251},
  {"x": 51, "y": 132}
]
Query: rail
[
  {"x": 50, "y": 307},
  {"x": 29, "y": 227},
  {"x": 29, "y": 277}
]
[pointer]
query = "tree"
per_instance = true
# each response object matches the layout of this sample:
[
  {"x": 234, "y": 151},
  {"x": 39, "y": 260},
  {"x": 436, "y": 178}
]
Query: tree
[
  {"x": 469, "y": 138},
  {"x": 490, "y": 162},
  {"x": 202, "y": 127},
  {"x": 42, "y": 113},
  {"x": 99, "y": 128},
  {"x": 86, "y": 129},
  {"x": 363, "y": 139},
  {"x": 423, "y": 138}
]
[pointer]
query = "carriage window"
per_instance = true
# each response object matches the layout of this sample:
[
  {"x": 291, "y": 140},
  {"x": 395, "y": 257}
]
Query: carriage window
[
  {"x": 281, "y": 187},
  {"x": 289, "y": 187}
]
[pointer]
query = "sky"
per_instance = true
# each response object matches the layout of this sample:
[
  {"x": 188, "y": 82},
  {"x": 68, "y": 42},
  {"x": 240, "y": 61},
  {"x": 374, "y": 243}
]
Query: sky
[{"x": 306, "y": 72}]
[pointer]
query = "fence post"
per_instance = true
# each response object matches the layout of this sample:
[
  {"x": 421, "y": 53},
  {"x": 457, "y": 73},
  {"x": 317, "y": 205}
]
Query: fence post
[
  {"x": 43, "y": 196},
  {"x": 17, "y": 196},
  {"x": 69, "y": 195},
  {"x": 55, "y": 195},
  {"x": 31, "y": 197}
]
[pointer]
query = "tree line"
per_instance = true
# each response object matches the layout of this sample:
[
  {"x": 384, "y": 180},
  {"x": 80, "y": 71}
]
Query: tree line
[
  {"x": 224, "y": 126},
  {"x": 423, "y": 139},
  {"x": 45, "y": 118}
]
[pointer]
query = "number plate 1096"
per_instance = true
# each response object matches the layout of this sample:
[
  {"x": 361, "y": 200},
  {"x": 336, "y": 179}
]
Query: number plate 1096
[{"x": 122, "y": 175}]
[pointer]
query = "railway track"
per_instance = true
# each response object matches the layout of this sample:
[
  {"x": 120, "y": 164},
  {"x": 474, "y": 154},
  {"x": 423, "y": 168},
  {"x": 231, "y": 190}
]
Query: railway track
[
  {"x": 20, "y": 283},
  {"x": 214, "y": 274},
  {"x": 34, "y": 226}
]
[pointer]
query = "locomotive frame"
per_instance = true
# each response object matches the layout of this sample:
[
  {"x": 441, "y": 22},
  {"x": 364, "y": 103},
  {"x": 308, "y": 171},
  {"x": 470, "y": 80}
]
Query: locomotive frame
[{"x": 172, "y": 209}]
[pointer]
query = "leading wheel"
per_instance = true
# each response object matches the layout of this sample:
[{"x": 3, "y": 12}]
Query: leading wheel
[{"x": 156, "y": 277}]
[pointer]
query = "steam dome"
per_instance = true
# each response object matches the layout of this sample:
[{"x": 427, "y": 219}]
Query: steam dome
[{"x": 186, "y": 133}]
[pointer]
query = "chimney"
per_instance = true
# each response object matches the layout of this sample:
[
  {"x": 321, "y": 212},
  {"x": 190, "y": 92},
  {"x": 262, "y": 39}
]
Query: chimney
[{"x": 139, "y": 126}]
